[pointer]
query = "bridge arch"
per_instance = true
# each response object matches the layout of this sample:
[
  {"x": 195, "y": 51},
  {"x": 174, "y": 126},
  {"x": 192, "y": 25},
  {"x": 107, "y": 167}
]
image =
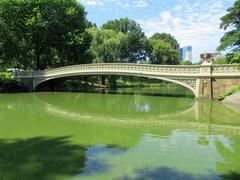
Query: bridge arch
[
  {"x": 175, "y": 81},
  {"x": 205, "y": 81}
]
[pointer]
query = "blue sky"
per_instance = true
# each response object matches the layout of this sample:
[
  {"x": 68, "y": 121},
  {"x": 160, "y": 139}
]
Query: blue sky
[{"x": 192, "y": 22}]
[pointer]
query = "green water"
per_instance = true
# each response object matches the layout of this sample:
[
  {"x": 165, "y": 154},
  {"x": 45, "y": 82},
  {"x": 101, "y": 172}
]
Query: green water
[{"x": 115, "y": 136}]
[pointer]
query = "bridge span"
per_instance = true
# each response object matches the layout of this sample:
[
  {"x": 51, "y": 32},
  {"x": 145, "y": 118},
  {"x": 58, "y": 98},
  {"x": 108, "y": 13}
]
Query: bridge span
[{"x": 205, "y": 81}]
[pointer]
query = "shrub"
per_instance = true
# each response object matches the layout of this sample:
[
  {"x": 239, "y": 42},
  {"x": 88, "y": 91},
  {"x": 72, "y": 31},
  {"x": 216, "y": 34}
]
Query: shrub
[{"x": 5, "y": 75}]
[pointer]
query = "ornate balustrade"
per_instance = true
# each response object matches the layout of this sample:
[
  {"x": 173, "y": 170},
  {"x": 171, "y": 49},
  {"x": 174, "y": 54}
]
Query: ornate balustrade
[
  {"x": 225, "y": 70},
  {"x": 164, "y": 70},
  {"x": 122, "y": 68},
  {"x": 194, "y": 77}
]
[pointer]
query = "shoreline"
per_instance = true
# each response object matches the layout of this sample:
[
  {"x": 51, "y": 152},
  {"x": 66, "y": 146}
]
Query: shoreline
[{"x": 232, "y": 99}]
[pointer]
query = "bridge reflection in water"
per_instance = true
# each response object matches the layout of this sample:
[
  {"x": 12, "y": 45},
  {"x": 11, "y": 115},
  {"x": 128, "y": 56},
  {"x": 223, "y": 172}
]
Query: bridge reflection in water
[
  {"x": 198, "y": 115},
  {"x": 117, "y": 136}
]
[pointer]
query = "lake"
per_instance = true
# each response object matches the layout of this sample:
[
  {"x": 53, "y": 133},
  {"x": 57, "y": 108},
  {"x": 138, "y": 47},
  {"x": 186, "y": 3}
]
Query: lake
[{"x": 129, "y": 134}]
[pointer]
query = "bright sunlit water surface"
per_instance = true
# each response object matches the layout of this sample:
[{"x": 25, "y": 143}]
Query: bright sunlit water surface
[{"x": 116, "y": 136}]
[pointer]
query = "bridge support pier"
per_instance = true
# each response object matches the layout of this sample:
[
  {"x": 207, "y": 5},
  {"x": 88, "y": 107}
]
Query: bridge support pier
[
  {"x": 204, "y": 89},
  {"x": 213, "y": 88},
  {"x": 224, "y": 85},
  {"x": 28, "y": 83}
]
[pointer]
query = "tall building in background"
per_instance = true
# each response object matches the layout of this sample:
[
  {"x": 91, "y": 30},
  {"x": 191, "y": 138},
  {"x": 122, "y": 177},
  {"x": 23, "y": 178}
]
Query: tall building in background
[{"x": 186, "y": 53}]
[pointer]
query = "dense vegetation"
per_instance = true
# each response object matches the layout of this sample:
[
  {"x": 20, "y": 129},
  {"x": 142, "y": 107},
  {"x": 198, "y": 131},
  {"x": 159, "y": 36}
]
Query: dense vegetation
[
  {"x": 133, "y": 45},
  {"x": 43, "y": 33},
  {"x": 163, "y": 49},
  {"x": 231, "y": 39},
  {"x": 51, "y": 33},
  {"x": 7, "y": 84}
]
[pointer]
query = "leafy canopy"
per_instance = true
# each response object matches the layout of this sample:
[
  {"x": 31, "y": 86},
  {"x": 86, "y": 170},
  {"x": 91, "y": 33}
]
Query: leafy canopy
[
  {"x": 231, "y": 22},
  {"x": 133, "y": 46},
  {"x": 106, "y": 45},
  {"x": 163, "y": 49},
  {"x": 166, "y": 38},
  {"x": 43, "y": 33}
]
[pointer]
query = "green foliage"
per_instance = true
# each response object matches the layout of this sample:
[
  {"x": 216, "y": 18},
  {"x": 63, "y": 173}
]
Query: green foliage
[
  {"x": 231, "y": 21},
  {"x": 166, "y": 38},
  {"x": 221, "y": 60},
  {"x": 186, "y": 63},
  {"x": 5, "y": 75},
  {"x": 106, "y": 45},
  {"x": 132, "y": 48},
  {"x": 233, "y": 91},
  {"x": 43, "y": 33},
  {"x": 162, "y": 52},
  {"x": 235, "y": 58},
  {"x": 128, "y": 81}
]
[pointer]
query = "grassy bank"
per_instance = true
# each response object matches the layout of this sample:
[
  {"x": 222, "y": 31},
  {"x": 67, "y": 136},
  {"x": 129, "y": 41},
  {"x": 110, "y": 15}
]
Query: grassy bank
[
  {"x": 229, "y": 93},
  {"x": 128, "y": 84}
]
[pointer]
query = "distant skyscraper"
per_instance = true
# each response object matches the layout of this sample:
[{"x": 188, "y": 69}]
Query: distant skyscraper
[{"x": 186, "y": 53}]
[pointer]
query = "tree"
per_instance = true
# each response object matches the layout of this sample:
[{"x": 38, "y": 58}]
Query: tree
[
  {"x": 161, "y": 52},
  {"x": 162, "y": 48},
  {"x": 166, "y": 38},
  {"x": 132, "y": 49},
  {"x": 186, "y": 63},
  {"x": 231, "y": 21},
  {"x": 37, "y": 34},
  {"x": 106, "y": 48},
  {"x": 221, "y": 60},
  {"x": 106, "y": 45},
  {"x": 234, "y": 57}
]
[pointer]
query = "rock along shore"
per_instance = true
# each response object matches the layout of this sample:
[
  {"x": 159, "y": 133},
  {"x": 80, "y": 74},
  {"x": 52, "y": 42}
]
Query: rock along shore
[{"x": 233, "y": 99}]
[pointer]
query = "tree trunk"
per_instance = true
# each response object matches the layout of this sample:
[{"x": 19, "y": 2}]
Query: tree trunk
[
  {"x": 113, "y": 82},
  {"x": 37, "y": 52},
  {"x": 103, "y": 80}
]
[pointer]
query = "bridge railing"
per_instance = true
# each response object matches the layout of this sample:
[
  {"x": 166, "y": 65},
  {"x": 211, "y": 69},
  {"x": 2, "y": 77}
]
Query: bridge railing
[
  {"x": 225, "y": 70},
  {"x": 134, "y": 68},
  {"x": 171, "y": 70}
]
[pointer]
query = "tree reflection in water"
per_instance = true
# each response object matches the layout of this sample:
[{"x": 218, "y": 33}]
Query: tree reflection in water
[
  {"x": 40, "y": 158},
  {"x": 175, "y": 137},
  {"x": 231, "y": 155}
]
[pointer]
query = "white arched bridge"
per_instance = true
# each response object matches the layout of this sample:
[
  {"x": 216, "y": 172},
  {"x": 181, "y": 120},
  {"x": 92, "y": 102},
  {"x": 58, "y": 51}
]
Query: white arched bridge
[{"x": 205, "y": 81}]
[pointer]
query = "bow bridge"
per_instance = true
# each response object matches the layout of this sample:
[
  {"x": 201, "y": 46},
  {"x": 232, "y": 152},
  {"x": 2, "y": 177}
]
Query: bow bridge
[{"x": 205, "y": 81}]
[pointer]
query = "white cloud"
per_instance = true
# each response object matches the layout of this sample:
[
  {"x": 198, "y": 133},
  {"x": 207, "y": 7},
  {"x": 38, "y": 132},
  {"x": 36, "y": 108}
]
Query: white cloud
[
  {"x": 122, "y": 3},
  {"x": 195, "y": 24},
  {"x": 140, "y": 3},
  {"x": 92, "y": 2}
]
